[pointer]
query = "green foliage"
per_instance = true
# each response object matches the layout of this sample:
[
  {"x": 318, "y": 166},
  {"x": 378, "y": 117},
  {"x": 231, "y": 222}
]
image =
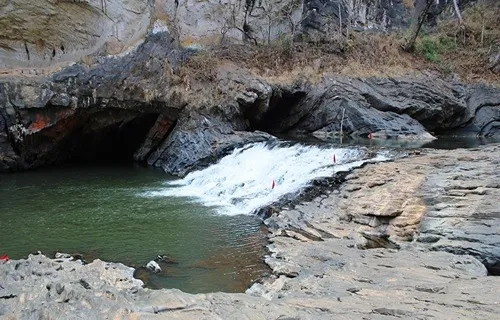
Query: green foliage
[
  {"x": 429, "y": 49},
  {"x": 286, "y": 46},
  {"x": 432, "y": 48}
]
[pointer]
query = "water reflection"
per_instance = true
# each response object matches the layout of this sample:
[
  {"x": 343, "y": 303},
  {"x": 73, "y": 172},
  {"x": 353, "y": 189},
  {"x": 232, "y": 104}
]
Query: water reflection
[{"x": 446, "y": 142}]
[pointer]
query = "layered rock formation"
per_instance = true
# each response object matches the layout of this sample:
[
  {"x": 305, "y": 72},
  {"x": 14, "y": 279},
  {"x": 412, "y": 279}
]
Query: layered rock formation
[
  {"x": 145, "y": 104},
  {"x": 44, "y": 34},
  {"x": 444, "y": 200}
]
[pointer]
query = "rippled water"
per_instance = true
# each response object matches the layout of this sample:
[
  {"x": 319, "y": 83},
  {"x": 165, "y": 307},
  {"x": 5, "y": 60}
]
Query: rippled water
[{"x": 98, "y": 211}]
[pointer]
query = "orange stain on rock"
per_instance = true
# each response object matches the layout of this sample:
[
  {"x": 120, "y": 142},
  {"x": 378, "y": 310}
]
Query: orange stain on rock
[{"x": 39, "y": 123}]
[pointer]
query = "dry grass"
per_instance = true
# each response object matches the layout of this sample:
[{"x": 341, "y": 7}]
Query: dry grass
[
  {"x": 362, "y": 55},
  {"x": 463, "y": 50}
]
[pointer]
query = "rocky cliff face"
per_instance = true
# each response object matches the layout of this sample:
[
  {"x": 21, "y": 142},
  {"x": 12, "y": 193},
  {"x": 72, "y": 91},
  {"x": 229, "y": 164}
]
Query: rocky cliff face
[
  {"x": 43, "y": 33},
  {"x": 143, "y": 106},
  {"x": 47, "y": 33},
  {"x": 210, "y": 22}
]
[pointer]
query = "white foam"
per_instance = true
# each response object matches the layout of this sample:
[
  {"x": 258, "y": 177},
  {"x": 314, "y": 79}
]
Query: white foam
[{"x": 241, "y": 182}]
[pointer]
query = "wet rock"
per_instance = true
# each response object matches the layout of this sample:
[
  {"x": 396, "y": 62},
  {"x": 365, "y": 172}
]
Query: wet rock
[
  {"x": 75, "y": 112},
  {"x": 377, "y": 106},
  {"x": 158, "y": 132},
  {"x": 311, "y": 279},
  {"x": 86, "y": 111},
  {"x": 483, "y": 112},
  {"x": 198, "y": 141},
  {"x": 153, "y": 266},
  {"x": 165, "y": 259},
  {"x": 60, "y": 255}
]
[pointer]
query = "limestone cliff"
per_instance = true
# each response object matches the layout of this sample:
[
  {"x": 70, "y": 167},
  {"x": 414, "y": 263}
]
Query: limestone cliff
[
  {"x": 41, "y": 33},
  {"x": 45, "y": 33}
]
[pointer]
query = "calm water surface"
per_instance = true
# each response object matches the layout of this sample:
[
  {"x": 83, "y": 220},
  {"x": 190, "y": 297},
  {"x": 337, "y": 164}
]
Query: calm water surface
[{"x": 100, "y": 212}]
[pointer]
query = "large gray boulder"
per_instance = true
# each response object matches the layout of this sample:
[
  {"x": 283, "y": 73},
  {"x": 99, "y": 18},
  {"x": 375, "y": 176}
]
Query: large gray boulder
[
  {"x": 404, "y": 108},
  {"x": 199, "y": 140},
  {"x": 483, "y": 112},
  {"x": 47, "y": 119}
]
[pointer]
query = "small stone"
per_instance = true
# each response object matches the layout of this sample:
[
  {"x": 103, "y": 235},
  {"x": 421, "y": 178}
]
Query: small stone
[
  {"x": 153, "y": 266},
  {"x": 59, "y": 288}
]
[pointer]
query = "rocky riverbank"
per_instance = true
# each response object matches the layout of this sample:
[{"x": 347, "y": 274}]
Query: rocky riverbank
[{"x": 346, "y": 254}]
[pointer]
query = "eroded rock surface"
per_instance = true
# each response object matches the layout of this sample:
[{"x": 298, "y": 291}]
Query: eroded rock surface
[
  {"x": 42, "y": 33},
  {"x": 447, "y": 200},
  {"x": 320, "y": 269},
  {"x": 144, "y": 95}
]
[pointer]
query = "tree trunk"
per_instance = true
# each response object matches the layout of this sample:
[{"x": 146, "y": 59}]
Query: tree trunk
[
  {"x": 457, "y": 11},
  {"x": 410, "y": 44}
]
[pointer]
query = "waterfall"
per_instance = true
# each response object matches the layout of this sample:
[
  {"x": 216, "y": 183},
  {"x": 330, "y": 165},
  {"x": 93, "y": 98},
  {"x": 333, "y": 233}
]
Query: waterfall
[{"x": 241, "y": 182}]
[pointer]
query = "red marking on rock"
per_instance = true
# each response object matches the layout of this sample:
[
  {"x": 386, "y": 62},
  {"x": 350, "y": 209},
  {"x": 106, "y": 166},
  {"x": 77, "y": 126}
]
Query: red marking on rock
[{"x": 39, "y": 123}]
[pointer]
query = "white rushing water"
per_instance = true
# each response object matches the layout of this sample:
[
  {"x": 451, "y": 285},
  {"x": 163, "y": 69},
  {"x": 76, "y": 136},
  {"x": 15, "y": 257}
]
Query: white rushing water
[{"x": 241, "y": 182}]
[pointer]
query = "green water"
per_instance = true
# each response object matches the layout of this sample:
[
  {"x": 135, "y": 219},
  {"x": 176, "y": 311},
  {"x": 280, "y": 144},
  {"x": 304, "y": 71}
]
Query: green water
[{"x": 98, "y": 211}]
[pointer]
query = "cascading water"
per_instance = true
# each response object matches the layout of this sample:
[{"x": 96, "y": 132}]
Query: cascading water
[{"x": 241, "y": 182}]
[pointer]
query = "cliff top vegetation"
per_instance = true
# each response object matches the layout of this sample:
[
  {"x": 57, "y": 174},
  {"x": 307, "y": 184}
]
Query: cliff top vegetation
[{"x": 463, "y": 48}]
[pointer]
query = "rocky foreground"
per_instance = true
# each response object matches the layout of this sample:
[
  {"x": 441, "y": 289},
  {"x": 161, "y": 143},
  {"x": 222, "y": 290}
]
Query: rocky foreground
[{"x": 415, "y": 238}]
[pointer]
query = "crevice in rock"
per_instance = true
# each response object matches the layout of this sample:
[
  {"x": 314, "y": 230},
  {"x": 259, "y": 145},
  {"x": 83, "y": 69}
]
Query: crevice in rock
[
  {"x": 27, "y": 50},
  {"x": 305, "y": 234},
  {"x": 281, "y": 104}
]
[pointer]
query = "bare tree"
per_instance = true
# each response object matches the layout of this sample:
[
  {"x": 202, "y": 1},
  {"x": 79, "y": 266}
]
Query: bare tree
[
  {"x": 261, "y": 20},
  {"x": 457, "y": 11},
  {"x": 410, "y": 44}
]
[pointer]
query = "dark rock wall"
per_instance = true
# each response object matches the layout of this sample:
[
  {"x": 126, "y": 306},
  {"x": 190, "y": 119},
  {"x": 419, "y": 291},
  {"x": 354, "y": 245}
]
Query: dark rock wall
[{"x": 58, "y": 118}]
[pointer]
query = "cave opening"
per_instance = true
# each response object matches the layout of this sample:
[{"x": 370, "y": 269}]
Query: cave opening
[
  {"x": 277, "y": 119},
  {"x": 88, "y": 136},
  {"x": 113, "y": 142}
]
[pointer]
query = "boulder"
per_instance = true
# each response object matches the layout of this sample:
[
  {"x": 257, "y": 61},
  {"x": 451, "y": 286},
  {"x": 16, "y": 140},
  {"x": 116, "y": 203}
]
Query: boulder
[
  {"x": 483, "y": 112},
  {"x": 153, "y": 266},
  {"x": 197, "y": 141}
]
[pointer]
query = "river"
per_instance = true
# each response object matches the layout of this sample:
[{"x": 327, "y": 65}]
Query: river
[{"x": 203, "y": 223}]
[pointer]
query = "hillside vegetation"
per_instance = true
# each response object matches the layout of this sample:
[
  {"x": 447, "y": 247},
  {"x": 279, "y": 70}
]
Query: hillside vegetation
[{"x": 450, "y": 48}]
